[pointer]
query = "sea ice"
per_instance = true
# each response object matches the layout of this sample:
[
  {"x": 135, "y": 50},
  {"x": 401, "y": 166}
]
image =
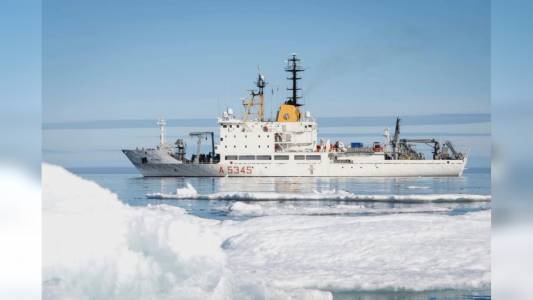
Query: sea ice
[
  {"x": 418, "y": 187},
  {"x": 405, "y": 251},
  {"x": 191, "y": 193},
  {"x": 95, "y": 247},
  {"x": 20, "y": 233},
  {"x": 318, "y": 208}
]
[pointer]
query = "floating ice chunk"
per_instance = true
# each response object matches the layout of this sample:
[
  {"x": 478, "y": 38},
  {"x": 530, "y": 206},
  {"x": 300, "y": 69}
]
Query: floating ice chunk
[
  {"x": 418, "y": 187},
  {"x": 320, "y": 195},
  {"x": 241, "y": 208},
  {"x": 187, "y": 192},
  {"x": 317, "y": 208}
]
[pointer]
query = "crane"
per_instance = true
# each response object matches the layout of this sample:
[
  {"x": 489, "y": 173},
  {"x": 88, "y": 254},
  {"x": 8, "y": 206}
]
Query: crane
[{"x": 201, "y": 135}]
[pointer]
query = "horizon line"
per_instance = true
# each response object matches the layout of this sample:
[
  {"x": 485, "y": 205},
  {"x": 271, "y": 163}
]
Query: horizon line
[{"x": 331, "y": 121}]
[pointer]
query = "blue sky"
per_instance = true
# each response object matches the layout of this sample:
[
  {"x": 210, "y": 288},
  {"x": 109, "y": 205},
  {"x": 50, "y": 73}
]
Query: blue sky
[
  {"x": 20, "y": 83},
  {"x": 107, "y": 60}
]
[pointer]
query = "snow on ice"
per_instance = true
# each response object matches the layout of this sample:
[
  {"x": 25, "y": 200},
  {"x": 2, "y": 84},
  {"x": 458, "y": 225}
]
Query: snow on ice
[
  {"x": 190, "y": 192},
  {"x": 96, "y": 247}
]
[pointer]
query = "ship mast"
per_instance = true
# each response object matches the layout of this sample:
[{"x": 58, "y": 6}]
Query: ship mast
[
  {"x": 293, "y": 67},
  {"x": 261, "y": 86},
  {"x": 249, "y": 104},
  {"x": 161, "y": 123}
]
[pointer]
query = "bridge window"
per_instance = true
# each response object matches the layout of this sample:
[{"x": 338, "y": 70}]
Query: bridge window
[
  {"x": 225, "y": 126},
  {"x": 231, "y": 157},
  {"x": 312, "y": 157},
  {"x": 281, "y": 157},
  {"x": 246, "y": 157},
  {"x": 263, "y": 157},
  {"x": 299, "y": 157}
]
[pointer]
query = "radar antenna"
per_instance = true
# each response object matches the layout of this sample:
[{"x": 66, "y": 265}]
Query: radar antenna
[{"x": 249, "y": 104}]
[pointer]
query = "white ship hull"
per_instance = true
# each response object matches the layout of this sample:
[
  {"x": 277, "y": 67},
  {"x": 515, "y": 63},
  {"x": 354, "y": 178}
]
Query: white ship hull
[{"x": 162, "y": 166}]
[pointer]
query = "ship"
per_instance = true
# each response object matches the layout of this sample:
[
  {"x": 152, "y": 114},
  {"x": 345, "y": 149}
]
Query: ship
[{"x": 288, "y": 146}]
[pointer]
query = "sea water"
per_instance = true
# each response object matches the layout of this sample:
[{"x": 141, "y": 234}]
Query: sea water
[{"x": 132, "y": 189}]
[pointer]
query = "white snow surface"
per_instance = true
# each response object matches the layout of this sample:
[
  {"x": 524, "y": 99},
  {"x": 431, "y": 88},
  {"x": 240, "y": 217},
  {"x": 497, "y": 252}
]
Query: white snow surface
[
  {"x": 189, "y": 192},
  {"x": 364, "y": 253},
  {"x": 316, "y": 208},
  {"x": 418, "y": 187},
  {"x": 20, "y": 234},
  {"x": 95, "y": 247},
  {"x": 511, "y": 248}
]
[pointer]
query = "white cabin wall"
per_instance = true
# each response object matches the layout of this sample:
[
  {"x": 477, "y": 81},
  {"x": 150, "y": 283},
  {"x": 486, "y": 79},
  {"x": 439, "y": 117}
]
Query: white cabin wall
[{"x": 258, "y": 138}]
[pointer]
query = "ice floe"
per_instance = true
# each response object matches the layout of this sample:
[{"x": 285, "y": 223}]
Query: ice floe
[
  {"x": 319, "y": 208},
  {"x": 365, "y": 253},
  {"x": 418, "y": 187},
  {"x": 189, "y": 192},
  {"x": 96, "y": 247}
]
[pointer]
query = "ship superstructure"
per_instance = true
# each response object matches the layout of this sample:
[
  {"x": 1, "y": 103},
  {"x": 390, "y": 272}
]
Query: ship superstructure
[{"x": 289, "y": 146}]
